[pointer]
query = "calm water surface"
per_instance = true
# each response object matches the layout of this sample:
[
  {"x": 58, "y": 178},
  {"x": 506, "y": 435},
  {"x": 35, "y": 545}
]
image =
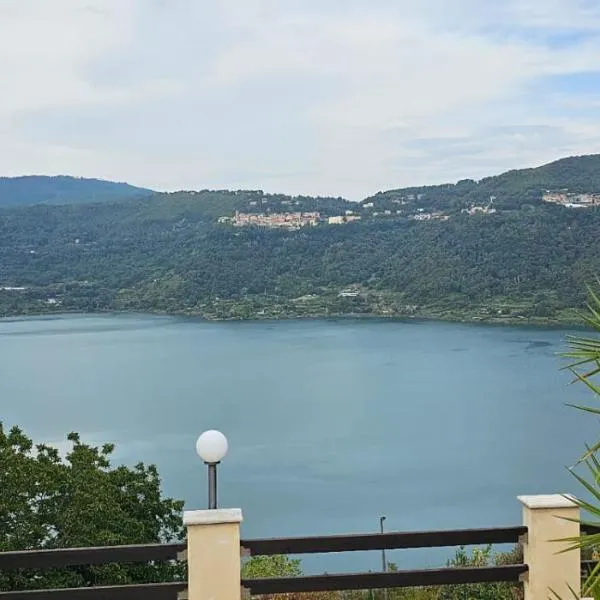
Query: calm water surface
[{"x": 331, "y": 423}]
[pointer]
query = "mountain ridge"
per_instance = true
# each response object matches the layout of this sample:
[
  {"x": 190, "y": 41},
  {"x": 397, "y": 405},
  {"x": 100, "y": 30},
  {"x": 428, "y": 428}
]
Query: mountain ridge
[
  {"x": 27, "y": 190},
  {"x": 579, "y": 173},
  {"x": 510, "y": 189}
]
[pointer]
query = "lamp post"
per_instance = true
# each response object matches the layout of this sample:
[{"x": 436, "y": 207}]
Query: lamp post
[
  {"x": 383, "y": 559},
  {"x": 212, "y": 447}
]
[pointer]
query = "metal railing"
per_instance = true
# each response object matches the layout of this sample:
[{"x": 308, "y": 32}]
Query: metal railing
[
  {"x": 148, "y": 553},
  {"x": 73, "y": 557},
  {"x": 102, "y": 555},
  {"x": 385, "y": 541},
  {"x": 397, "y": 579},
  {"x": 143, "y": 591}
]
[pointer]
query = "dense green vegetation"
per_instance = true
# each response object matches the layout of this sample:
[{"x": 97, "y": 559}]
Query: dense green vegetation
[
  {"x": 167, "y": 252},
  {"x": 510, "y": 190},
  {"x": 37, "y": 189},
  {"x": 81, "y": 500},
  {"x": 124, "y": 257},
  {"x": 585, "y": 356}
]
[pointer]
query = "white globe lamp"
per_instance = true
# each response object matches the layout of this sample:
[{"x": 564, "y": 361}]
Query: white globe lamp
[{"x": 212, "y": 447}]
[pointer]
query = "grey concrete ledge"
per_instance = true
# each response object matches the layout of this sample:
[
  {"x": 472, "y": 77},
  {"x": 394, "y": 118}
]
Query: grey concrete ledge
[
  {"x": 548, "y": 501},
  {"x": 212, "y": 517}
]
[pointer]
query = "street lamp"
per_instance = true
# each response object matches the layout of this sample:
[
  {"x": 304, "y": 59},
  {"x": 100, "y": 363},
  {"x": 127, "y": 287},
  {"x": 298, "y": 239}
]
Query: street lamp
[
  {"x": 212, "y": 447},
  {"x": 383, "y": 560}
]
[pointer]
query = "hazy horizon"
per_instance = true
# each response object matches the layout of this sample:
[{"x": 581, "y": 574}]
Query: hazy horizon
[{"x": 280, "y": 192}]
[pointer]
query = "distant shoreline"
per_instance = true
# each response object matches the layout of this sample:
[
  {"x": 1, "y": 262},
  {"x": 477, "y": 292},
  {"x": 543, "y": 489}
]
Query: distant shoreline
[{"x": 535, "y": 322}]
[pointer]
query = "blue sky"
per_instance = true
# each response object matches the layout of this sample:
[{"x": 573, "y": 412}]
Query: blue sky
[{"x": 336, "y": 97}]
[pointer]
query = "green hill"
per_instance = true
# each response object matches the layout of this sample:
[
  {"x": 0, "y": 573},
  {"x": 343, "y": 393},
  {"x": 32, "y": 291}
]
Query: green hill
[
  {"x": 168, "y": 252},
  {"x": 510, "y": 190},
  {"x": 39, "y": 189}
]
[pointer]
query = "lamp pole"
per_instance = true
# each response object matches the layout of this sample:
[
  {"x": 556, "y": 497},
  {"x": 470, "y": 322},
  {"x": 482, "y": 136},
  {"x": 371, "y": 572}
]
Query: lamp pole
[
  {"x": 212, "y": 485},
  {"x": 383, "y": 559},
  {"x": 212, "y": 447}
]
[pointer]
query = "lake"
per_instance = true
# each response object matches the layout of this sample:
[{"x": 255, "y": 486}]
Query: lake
[{"x": 331, "y": 423}]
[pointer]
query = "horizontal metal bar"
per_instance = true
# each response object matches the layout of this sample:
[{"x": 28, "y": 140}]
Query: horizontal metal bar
[
  {"x": 366, "y": 581},
  {"x": 590, "y": 529},
  {"x": 146, "y": 591},
  {"x": 66, "y": 557},
  {"x": 387, "y": 541}
]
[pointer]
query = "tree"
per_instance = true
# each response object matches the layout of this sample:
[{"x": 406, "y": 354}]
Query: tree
[
  {"x": 259, "y": 567},
  {"x": 282, "y": 566},
  {"x": 480, "y": 557},
  {"x": 82, "y": 500}
]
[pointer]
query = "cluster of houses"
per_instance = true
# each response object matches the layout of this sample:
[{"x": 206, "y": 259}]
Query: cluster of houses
[
  {"x": 423, "y": 215},
  {"x": 571, "y": 199},
  {"x": 297, "y": 220},
  {"x": 341, "y": 219},
  {"x": 402, "y": 200},
  {"x": 291, "y": 220},
  {"x": 488, "y": 209},
  {"x": 286, "y": 220}
]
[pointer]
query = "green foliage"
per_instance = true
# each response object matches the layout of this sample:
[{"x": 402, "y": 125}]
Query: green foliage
[
  {"x": 585, "y": 351},
  {"x": 480, "y": 557},
  {"x": 166, "y": 252},
  {"x": 259, "y": 567},
  {"x": 37, "y": 189},
  {"x": 511, "y": 191},
  {"x": 81, "y": 500},
  {"x": 279, "y": 566},
  {"x": 159, "y": 255}
]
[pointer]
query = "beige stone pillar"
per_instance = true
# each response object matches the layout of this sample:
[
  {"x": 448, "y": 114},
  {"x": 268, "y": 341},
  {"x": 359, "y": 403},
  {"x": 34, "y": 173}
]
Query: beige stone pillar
[
  {"x": 546, "y": 518},
  {"x": 213, "y": 554}
]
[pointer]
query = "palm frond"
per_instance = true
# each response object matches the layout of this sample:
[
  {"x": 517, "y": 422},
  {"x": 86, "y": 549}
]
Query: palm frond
[
  {"x": 589, "y": 409},
  {"x": 556, "y": 596},
  {"x": 584, "y": 354}
]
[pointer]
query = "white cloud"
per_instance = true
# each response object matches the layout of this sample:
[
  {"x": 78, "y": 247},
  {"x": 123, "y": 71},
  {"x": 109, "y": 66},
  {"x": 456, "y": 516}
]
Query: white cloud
[
  {"x": 46, "y": 47},
  {"x": 43, "y": 47},
  {"x": 331, "y": 97},
  {"x": 556, "y": 14}
]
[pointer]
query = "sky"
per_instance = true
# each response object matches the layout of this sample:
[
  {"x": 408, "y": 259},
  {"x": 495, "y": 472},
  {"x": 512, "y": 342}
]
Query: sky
[{"x": 319, "y": 97}]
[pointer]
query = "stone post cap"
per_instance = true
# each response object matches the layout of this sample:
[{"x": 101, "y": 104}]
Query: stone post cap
[
  {"x": 550, "y": 501},
  {"x": 212, "y": 517}
]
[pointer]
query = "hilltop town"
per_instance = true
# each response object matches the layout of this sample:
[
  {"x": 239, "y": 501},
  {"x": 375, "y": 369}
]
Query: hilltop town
[
  {"x": 286, "y": 220},
  {"x": 409, "y": 207}
]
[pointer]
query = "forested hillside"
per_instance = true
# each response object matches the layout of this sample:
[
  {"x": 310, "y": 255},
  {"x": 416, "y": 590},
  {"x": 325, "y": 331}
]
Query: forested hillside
[
  {"x": 168, "y": 252},
  {"x": 115, "y": 257},
  {"x": 37, "y": 189},
  {"x": 510, "y": 190}
]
